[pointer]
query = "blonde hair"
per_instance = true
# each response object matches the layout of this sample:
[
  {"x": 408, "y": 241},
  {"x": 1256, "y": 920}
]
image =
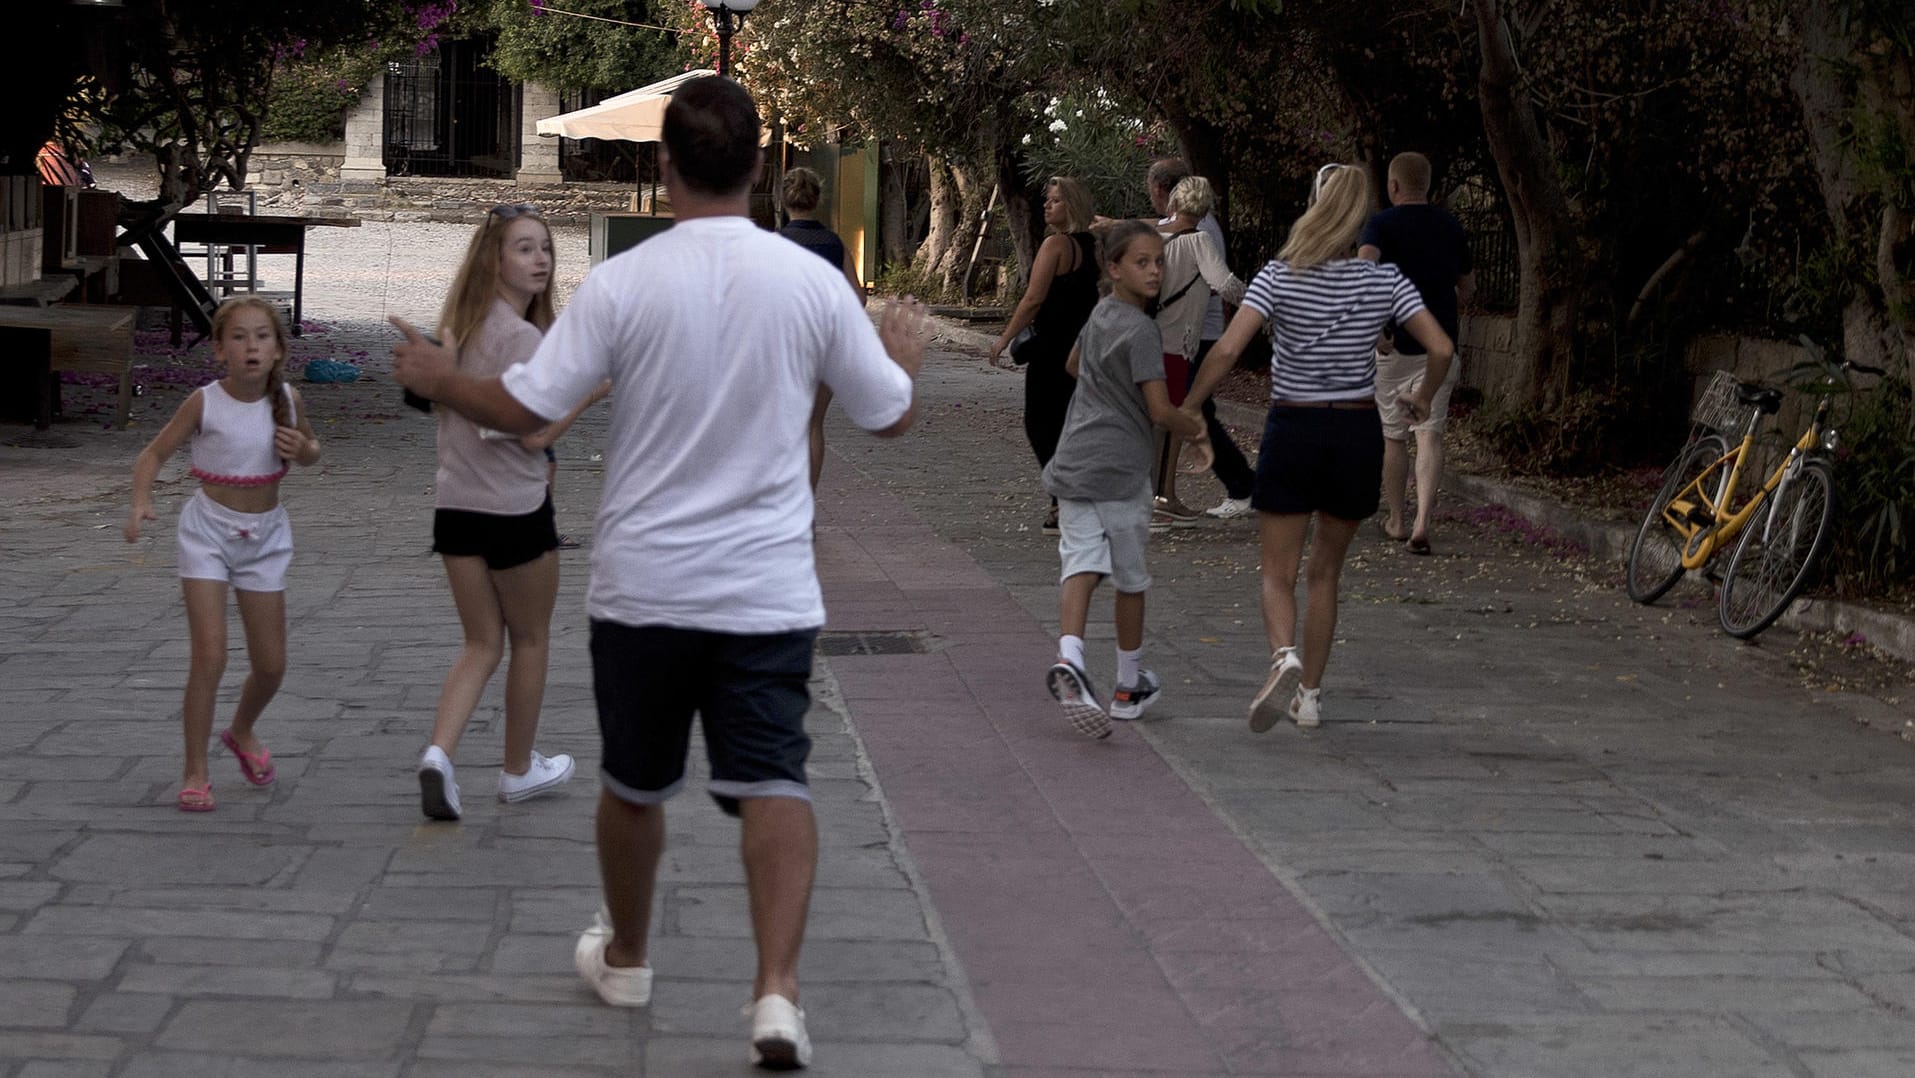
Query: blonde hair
[
  {"x": 1329, "y": 228},
  {"x": 275, "y": 377},
  {"x": 477, "y": 283},
  {"x": 802, "y": 190},
  {"x": 1077, "y": 202},
  {"x": 1192, "y": 195}
]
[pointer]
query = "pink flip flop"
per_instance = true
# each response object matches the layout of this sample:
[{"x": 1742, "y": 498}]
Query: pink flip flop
[
  {"x": 196, "y": 798},
  {"x": 258, "y": 769}
]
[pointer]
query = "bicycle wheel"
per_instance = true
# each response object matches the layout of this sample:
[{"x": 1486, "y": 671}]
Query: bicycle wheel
[
  {"x": 1655, "y": 557},
  {"x": 1778, "y": 551}
]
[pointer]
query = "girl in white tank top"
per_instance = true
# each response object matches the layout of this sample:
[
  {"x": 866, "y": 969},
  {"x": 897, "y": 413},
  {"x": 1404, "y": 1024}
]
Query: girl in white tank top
[{"x": 246, "y": 430}]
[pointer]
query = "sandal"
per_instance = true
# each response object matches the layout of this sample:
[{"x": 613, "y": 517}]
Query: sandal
[
  {"x": 566, "y": 542},
  {"x": 1419, "y": 545},
  {"x": 257, "y": 767},
  {"x": 196, "y": 798}
]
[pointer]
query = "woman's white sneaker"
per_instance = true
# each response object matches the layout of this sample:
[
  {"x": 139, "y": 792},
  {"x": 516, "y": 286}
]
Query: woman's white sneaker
[
  {"x": 1286, "y": 674},
  {"x": 438, "y": 790},
  {"x": 778, "y": 1038},
  {"x": 545, "y": 773},
  {"x": 1306, "y": 708}
]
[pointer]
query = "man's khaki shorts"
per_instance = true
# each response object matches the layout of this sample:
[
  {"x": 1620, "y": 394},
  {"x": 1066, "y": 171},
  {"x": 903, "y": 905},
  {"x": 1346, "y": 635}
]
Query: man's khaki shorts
[{"x": 1398, "y": 375}]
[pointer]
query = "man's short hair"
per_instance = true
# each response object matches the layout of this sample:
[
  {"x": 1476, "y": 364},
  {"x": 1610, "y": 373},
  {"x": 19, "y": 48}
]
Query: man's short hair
[
  {"x": 711, "y": 132},
  {"x": 1166, "y": 173},
  {"x": 802, "y": 190},
  {"x": 1411, "y": 171}
]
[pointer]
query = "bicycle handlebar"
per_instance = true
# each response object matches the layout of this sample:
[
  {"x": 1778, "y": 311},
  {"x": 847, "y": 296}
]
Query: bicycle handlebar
[{"x": 1863, "y": 368}]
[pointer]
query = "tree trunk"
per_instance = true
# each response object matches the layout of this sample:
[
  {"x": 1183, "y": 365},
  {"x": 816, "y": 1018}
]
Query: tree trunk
[
  {"x": 1549, "y": 293},
  {"x": 1202, "y": 145},
  {"x": 943, "y": 226},
  {"x": 1023, "y": 211},
  {"x": 1877, "y": 327},
  {"x": 970, "y": 204},
  {"x": 894, "y": 212}
]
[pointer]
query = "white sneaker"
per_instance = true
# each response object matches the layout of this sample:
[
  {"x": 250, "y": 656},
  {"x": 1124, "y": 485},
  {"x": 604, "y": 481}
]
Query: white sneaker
[
  {"x": 1286, "y": 674},
  {"x": 543, "y": 774},
  {"x": 1131, "y": 702},
  {"x": 1306, "y": 708},
  {"x": 1229, "y": 508},
  {"x": 620, "y": 986},
  {"x": 778, "y": 1040},
  {"x": 438, "y": 790}
]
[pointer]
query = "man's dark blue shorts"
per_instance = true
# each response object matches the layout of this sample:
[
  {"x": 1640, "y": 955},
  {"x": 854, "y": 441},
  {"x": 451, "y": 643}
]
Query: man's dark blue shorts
[{"x": 750, "y": 693}]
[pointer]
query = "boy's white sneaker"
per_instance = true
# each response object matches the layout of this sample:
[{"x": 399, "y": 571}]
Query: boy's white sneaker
[
  {"x": 544, "y": 774},
  {"x": 1286, "y": 674},
  {"x": 778, "y": 1038},
  {"x": 438, "y": 789},
  {"x": 1071, "y": 687},
  {"x": 1306, "y": 708},
  {"x": 1132, "y": 701}
]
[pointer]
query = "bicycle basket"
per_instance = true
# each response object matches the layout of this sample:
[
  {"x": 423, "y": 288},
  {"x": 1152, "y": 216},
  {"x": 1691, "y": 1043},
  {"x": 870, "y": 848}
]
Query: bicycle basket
[{"x": 1720, "y": 408}]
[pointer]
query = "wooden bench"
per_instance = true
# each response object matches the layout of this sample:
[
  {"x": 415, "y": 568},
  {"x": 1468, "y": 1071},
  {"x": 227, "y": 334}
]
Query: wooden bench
[{"x": 70, "y": 338}]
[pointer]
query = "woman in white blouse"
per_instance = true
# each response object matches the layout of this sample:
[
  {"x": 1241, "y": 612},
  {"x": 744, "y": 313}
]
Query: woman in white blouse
[
  {"x": 1193, "y": 269},
  {"x": 1322, "y": 456}
]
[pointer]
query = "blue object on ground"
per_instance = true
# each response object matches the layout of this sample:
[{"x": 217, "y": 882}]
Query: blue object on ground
[{"x": 331, "y": 370}]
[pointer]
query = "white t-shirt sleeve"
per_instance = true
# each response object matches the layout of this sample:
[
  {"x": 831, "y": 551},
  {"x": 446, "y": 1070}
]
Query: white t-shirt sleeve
[
  {"x": 874, "y": 391},
  {"x": 572, "y": 359}
]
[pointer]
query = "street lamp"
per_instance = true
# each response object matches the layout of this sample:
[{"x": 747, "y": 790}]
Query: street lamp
[{"x": 723, "y": 13}]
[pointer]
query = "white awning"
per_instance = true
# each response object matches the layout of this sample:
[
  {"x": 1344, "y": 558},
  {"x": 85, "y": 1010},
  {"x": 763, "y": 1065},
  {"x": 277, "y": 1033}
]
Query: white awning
[{"x": 636, "y": 115}]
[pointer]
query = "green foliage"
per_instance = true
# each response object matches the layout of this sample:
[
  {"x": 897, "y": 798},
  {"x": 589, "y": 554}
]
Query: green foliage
[
  {"x": 1087, "y": 136},
  {"x": 1577, "y": 438},
  {"x": 1874, "y": 541},
  {"x": 898, "y": 280},
  {"x": 584, "y": 54},
  {"x": 311, "y": 95}
]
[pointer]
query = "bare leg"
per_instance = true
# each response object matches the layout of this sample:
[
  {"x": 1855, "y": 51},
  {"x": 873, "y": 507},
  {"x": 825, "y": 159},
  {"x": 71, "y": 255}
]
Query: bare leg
[
  {"x": 1280, "y": 536},
  {"x": 484, "y": 626},
  {"x": 1396, "y": 478},
  {"x": 263, "y": 613},
  {"x": 526, "y": 594},
  {"x": 818, "y": 436},
  {"x": 206, "y": 628},
  {"x": 1327, "y": 550},
  {"x": 630, "y": 840},
  {"x": 1429, "y": 472},
  {"x": 1073, "y": 602},
  {"x": 780, "y": 849},
  {"x": 1130, "y": 619}
]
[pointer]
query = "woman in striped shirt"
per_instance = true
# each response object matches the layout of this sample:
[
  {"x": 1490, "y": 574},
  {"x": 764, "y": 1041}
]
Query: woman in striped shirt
[{"x": 1322, "y": 452}]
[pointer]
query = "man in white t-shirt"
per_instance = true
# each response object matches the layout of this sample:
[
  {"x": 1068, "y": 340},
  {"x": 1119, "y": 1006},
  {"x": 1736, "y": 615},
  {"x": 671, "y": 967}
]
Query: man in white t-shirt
[{"x": 704, "y": 597}]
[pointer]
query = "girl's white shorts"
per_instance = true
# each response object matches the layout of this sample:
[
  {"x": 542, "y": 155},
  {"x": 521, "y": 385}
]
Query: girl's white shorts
[{"x": 250, "y": 551}]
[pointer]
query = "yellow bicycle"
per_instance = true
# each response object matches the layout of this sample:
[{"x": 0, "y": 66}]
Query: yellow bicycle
[{"x": 1783, "y": 527}]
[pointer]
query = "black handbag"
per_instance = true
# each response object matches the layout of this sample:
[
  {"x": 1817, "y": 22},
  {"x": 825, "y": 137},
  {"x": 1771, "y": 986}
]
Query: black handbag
[{"x": 1023, "y": 347}]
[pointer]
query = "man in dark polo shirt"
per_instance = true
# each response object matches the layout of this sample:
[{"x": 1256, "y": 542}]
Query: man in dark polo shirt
[{"x": 1427, "y": 243}]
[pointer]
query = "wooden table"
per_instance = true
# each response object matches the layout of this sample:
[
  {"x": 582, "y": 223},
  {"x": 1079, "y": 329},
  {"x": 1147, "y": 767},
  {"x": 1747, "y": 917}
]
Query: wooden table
[
  {"x": 279, "y": 235},
  {"x": 46, "y": 339}
]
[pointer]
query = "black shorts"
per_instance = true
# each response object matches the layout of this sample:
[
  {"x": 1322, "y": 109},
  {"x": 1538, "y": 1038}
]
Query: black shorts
[
  {"x": 750, "y": 693},
  {"x": 1320, "y": 460},
  {"x": 503, "y": 541}
]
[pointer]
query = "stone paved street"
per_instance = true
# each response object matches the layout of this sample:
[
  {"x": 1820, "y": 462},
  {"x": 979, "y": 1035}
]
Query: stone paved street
[{"x": 1542, "y": 832}]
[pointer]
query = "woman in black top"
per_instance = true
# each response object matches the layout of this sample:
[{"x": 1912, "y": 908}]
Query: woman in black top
[{"x": 1062, "y": 291}]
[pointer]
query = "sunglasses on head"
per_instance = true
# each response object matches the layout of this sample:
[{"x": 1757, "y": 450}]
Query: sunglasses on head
[
  {"x": 1323, "y": 175},
  {"x": 522, "y": 209}
]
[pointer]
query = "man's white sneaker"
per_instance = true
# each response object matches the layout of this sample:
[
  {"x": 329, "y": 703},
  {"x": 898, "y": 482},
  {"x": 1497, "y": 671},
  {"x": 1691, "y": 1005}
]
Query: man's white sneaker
[
  {"x": 544, "y": 774},
  {"x": 1131, "y": 702},
  {"x": 1306, "y": 708},
  {"x": 1229, "y": 508},
  {"x": 1286, "y": 674},
  {"x": 620, "y": 986},
  {"x": 438, "y": 790},
  {"x": 778, "y": 1039}
]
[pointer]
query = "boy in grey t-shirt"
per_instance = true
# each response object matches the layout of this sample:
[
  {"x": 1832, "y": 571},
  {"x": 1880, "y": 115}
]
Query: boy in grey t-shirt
[{"x": 1101, "y": 477}]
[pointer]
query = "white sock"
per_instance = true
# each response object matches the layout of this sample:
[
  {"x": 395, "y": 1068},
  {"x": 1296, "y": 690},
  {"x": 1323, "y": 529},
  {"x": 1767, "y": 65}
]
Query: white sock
[
  {"x": 1128, "y": 665},
  {"x": 1071, "y": 650}
]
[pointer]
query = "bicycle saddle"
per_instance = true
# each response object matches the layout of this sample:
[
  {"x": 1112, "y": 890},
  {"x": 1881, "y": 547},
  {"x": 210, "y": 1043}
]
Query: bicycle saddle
[{"x": 1763, "y": 398}]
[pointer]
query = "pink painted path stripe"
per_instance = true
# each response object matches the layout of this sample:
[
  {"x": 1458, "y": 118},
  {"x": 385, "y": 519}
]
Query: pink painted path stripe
[{"x": 1108, "y": 922}]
